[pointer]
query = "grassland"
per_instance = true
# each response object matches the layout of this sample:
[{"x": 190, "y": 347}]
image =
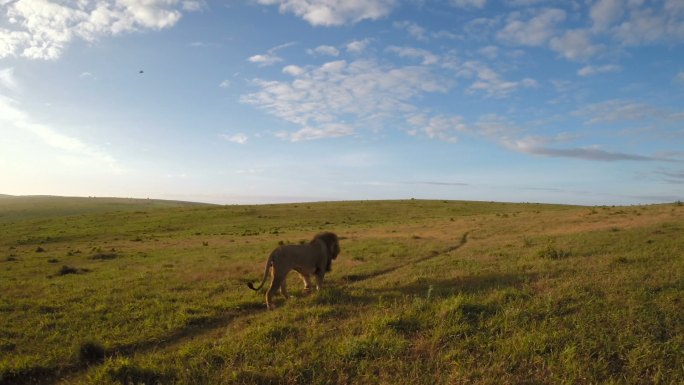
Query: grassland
[{"x": 424, "y": 292}]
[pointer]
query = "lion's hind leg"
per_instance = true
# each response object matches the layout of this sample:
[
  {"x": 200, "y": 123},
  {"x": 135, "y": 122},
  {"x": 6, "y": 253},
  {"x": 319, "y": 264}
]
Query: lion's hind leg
[
  {"x": 275, "y": 286},
  {"x": 283, "y": 289}
]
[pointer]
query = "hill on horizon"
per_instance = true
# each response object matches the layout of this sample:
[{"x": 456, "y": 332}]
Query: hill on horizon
[{"x": 17, "y": 207}]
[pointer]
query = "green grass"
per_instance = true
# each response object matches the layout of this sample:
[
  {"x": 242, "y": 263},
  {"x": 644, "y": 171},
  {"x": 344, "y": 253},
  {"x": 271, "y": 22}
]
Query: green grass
[{"x": 424, "y": 292}]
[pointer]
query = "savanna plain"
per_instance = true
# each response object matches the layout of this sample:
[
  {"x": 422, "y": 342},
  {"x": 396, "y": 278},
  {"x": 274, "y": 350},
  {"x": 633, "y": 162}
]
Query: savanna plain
[{"x": 120, "y": 291}]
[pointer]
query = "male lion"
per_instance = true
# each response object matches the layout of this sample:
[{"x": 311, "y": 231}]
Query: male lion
[{"x": 314, "y": 258}]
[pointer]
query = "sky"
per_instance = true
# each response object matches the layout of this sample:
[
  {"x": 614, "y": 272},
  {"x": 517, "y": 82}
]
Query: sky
[{"x": 269, "y": 101}]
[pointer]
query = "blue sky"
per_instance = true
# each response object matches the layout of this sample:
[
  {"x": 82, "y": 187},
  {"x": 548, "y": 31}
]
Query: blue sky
[{"x": 262, "y": 101}]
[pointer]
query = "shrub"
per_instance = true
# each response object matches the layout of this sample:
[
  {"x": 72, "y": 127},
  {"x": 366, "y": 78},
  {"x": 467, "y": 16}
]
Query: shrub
[
  {"x": 551, "y": 252},
  {"x": 103, "y": 256},
  {"x": 64, "y": 270}
]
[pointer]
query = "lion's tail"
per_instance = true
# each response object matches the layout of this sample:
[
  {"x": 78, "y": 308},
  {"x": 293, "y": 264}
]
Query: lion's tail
[{"x": 269, "y": 262}]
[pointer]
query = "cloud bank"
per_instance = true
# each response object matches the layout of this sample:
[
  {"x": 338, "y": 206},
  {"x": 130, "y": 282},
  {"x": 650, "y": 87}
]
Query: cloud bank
[{"x": 43, "y": 29}]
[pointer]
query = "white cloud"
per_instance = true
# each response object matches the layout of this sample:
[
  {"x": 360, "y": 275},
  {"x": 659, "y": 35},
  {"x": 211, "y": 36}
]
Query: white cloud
[
  {"x": 428, "y": 58},
  {"x": 412, "y": 28},
  {"x": 7, "y": 79},
  {"x": 324, "y": 50},
  {"x": 534, "y": 31},
  {"x": 15, "y": 117},
  {"x": 293, "y": 70},
  {"x": 42, "y": 29},
  {"x": 334, "y": 12},
  {"x": 357, "y": 46},
  {"x": 575, "y": 44},
  {"x": 225, "y": 84},
  {"x": 265, "y": 60},
  {"x": 238, "y": 138},
  {"x": 604, "y": 13},
  {"x": 592, "y": 70},
  {"x": 468, "y": 3},
  {"x": 650, "y": 23},
  {"x": 322, "y": 99}
]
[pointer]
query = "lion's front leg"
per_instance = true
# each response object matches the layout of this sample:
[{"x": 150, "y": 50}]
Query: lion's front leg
[
  {"x": 307, "y": 283},
  {"x": 319, "y": 280}
]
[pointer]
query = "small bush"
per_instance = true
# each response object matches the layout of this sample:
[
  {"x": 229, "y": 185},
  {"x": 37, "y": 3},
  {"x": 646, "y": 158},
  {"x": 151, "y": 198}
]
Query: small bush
[
  {"x": 104, "y": 256},
  {"x": 64, "y": 270},
  {"x": 40, "y": 249},
  {"x": 53, "y": 260},
  {"x": 551, "y": 252}
]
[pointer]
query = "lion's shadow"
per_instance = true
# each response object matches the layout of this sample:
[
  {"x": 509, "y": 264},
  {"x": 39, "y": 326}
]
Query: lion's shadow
[{"x": 340, "y": 292}]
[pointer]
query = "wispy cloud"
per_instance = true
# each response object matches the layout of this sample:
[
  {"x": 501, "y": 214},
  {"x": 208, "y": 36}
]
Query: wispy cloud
[
  {"x": 413, "y": 29},
  {"x": 445, "y": 128},
  {"x": 468, "y": 3},
  {"x": 330, "y": 130},
  {"x": 514, "y": 138},
  {"x": 15, "y": 117},
  {"x": 490, "y": 82},
  {"x": 357, "y": 46},
  {"x": 270, "y": 57},
  {"x": 680, "y": 77},
  {"x": 238, "y": 138},
  {"x": 593, "y": 70},
  {"x": 7, "y": 79},
  {"x": 531, "y": 28},
  {"x": 86, "y": 75},
  {"x": 428, "y": 58},
  {"x": 671, "y": 176},
  {"x": 617, "y": 110},
  {"x": 584, "y": 153}
]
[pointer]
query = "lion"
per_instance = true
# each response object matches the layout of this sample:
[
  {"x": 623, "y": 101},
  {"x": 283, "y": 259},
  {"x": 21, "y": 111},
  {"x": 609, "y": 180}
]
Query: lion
[{"x": 314, "y": 258}]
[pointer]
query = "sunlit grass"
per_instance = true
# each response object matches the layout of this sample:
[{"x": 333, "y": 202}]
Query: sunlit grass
[{"x": 424, "y": 292}]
